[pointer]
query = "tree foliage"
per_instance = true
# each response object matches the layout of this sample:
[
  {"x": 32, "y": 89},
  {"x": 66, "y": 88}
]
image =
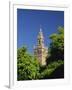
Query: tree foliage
[
  {"x": 56, "y": 49},
  {"x": 47, "y": 73},
  {"x": 27, "y": 65}
]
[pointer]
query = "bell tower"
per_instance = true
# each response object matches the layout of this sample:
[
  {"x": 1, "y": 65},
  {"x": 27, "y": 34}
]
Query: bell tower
[{"x": 40, "y": 51}]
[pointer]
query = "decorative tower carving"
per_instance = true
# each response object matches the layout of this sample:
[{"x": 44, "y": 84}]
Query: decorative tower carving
[{"x": 40, "y": 51}]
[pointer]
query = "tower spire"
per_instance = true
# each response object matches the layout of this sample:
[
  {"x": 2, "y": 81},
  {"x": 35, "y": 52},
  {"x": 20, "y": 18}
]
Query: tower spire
[
  {"x": 40, "y": 37},
  {"x": 40, "y": 28}
]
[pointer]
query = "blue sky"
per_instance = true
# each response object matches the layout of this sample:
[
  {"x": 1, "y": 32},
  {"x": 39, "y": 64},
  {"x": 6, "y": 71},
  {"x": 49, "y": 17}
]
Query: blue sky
[{"x": 28, "y": 26}]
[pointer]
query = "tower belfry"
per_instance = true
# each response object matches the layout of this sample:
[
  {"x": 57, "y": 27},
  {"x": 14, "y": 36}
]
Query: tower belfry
[
  {"x": 40, "y": 51},
  {"x": 40, "y": 38}
]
